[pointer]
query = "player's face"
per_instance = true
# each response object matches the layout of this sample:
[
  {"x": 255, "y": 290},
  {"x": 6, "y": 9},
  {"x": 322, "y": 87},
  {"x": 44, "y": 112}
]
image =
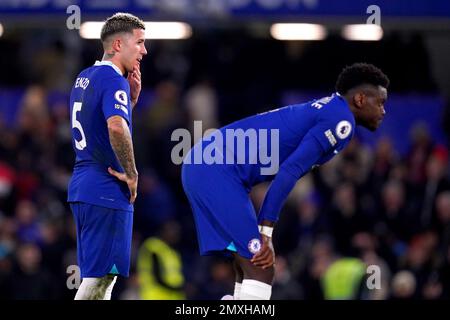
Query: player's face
[
  {"x": 373, "y": 107},
  {"x": 133, "y": 50}
]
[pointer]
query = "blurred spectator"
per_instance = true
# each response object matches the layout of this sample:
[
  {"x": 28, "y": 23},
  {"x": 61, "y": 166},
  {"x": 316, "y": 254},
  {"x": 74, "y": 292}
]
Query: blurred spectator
[
  {"x": 218, "y": 282},
  {"x": 442, "y": 225},
  {"x": 384, "y": 167},
  {"x": 164, "y": 112},
  {"x": 318, "y": 259},
  {"x": 419, "y": 259},
  {"x": 28, "y": 279},
  {"x": 397, "y": 220},
  {"x": 201, "y": 104},
  {"x": 285, "y": 287},
  {"x": 437, "y": 181},
  {"x": 403, "y": 285},
  {"x": 154, "y": 127},
  {"x": 8, "y": 229},
  {"x": 155, "y": 204},
  {"x": 345, "y": 217},
  {"x": 159, "y": 265},
  {"x": 343, "y": 279},
  {"x": 432, "y": 289},
  {"x": 7, "y": 182},
  {"x": 420, "y": 148},
  {"x": 355, "y": 163},
  {"x": 27, "y": 224},
  {"x": 55, "y": 244}
]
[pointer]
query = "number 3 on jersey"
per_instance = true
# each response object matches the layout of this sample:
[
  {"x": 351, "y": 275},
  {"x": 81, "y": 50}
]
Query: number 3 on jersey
[{"x": 80, "y": 145}]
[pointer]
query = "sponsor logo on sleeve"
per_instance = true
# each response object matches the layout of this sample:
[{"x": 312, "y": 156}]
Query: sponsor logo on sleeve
[
  {"x": 343, "y": 129},
  {"x": 330, "y": 137},
  {"x": 121, "y": 107}
]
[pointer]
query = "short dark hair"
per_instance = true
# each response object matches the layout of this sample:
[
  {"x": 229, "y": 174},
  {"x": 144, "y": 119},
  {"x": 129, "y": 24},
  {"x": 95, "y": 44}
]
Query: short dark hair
[
  {"x": 120, "y": 22},
  {"x": 358, "y": 74}
]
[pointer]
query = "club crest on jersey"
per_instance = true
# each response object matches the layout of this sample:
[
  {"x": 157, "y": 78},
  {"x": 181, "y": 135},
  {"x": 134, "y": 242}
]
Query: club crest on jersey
[
  {"x": 254, "y": 245},
  {"x": 121, "y": 96},
  {"x": 343, "y": 129}
]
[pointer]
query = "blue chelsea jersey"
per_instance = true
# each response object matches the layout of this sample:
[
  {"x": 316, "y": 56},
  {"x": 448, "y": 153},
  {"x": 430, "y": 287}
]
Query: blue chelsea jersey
[
  {"x": 328, "y": 121},
  {"x": 304, "y": 135},
  {"x": 99, "y": 92}
]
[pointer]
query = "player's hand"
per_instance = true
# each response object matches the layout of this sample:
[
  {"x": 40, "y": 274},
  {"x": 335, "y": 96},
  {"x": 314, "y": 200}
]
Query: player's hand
[
  {"x": 130, "y": 181},
  {"x": 134, "y": 79},
  {"x": 265, "y": 258}
]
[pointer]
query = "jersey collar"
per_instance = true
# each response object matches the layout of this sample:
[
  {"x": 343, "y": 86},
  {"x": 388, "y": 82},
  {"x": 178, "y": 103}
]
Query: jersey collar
[
  {"x": 108, "y": 63},
  {"x": 345, "y": 101}
]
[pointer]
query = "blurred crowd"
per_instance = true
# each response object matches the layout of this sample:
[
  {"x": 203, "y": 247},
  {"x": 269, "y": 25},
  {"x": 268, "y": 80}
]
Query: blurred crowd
[{"x": 369, "y": 206}]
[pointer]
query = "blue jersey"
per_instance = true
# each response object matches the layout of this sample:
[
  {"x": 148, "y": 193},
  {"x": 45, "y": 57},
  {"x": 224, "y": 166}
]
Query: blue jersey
[
  {"x": 328, "y": 121},
  {"x": 98, "y": 93},
  {"x": 308, "y": 135}
]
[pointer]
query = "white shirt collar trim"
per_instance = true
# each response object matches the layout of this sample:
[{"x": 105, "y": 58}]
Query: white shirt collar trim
[{"x": 108, "y": 63}]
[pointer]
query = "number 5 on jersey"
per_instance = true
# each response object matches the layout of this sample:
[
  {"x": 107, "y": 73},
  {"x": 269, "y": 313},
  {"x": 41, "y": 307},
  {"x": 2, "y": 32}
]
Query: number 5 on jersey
[{"x": 80, "y": 145}]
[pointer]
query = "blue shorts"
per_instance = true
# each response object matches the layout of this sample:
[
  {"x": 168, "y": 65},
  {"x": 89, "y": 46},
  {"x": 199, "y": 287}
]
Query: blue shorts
[
  {"x": 224, "y": 215},
  {"x": 103, "y": 239}
]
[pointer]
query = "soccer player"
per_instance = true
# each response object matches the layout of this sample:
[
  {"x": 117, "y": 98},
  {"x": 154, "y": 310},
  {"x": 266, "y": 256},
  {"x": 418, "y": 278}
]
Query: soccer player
[
  {"x": 309, "y": 134},
  {"x": 103, "y": 186}
]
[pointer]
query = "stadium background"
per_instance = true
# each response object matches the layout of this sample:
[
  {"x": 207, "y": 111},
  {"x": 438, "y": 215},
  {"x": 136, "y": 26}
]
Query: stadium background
[{"x": 385, "y": 200}]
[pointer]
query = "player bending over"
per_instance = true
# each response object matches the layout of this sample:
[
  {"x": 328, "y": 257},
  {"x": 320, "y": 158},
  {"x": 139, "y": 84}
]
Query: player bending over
[{"x": 310, "y": 134}]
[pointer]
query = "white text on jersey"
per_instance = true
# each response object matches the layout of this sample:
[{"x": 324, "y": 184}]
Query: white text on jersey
[
  {"x": 82, "y": 83},
  {"x": 321, "y": 102}
]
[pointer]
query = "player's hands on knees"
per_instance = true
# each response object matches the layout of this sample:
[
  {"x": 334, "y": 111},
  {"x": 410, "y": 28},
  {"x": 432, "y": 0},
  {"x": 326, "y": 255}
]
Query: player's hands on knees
[
  {"x": 130, "y": 181},
  {"x": 265, "y": 258}
]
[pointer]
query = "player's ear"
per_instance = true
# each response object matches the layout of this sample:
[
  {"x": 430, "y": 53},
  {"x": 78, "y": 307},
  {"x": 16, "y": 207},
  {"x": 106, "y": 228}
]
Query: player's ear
[
  {"x": 358, "y": 99},
  {"x": 116, "y": 44}
]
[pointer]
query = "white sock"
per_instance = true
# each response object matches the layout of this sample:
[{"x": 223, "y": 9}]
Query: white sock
[
  {"x": 109, "y": 289},
  {"x": 93, "y": 288},
  {"x": 237, "y": 291},
  {"x": 255, "y": 290},
  {"x": 88, "y": 289}
]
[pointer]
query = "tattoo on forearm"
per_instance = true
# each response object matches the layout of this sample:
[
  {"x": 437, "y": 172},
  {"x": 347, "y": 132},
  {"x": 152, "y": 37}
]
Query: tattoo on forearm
[{"x": 123, "y": 148}]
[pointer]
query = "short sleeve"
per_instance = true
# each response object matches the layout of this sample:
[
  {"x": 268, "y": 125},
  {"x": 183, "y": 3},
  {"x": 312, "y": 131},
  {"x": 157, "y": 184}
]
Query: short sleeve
[
  {"x": 116, "y": 99},
  {"x": 333, "y": 131}
]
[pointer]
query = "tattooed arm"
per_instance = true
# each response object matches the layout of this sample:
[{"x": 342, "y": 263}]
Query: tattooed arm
[{"x": 122, "y": 144}]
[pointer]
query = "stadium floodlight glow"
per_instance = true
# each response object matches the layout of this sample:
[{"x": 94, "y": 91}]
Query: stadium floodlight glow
[
  {"x": 153, "y": 30},
  {"x": 167, "y": 30},
  {"x": 298, "y": 31},
  {"x": 362, "y": 32},
  {"x": 91, "y": 29},
  {"x": 1, "y": 29}
]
